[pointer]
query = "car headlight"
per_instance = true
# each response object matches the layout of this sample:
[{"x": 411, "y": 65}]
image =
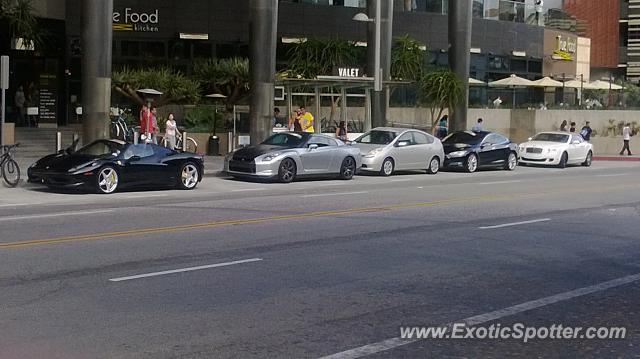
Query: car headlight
[
  {"x": 270, "y": 157},
  {"x": 552, "y": 150},
  {"x": 458, "y": 154},
  {"x": 373, "y": 152}
]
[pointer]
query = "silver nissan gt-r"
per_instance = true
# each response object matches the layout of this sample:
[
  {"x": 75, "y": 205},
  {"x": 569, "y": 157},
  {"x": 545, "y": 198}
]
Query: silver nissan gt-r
[{"x": 287, "y": 155}]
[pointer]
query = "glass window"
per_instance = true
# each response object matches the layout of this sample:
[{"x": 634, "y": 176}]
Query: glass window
[
  {"x": 498, "y": 63},
  {"x": 422, "y": 139},
  {"x": 575, "y": 138},
  {"x": 377, "y": 137},
  {"x": 202, "y": 50},
  {"x": 142, "y": 151},
  {"x": 495, "y": 139},
  {"x": 321, "y": 141},
  {"x": 407, "y": 136},
  {"x": 290, "y": 140},
  {"x": 99, "y": 149},
  {"x": 551, "y": 137}
]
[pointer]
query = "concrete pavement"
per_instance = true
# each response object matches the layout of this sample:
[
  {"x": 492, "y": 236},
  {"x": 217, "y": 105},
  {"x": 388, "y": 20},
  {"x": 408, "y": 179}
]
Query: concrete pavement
[{"x": 321, "y": 267}]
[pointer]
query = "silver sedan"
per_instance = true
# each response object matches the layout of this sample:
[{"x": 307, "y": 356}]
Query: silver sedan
[
  {"x": 388, "y": 149},
  {"x": 287, "y": 155}
]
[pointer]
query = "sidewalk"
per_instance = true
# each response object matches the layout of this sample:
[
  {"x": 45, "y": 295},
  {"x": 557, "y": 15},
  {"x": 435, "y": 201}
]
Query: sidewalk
[{"x": 616, "y": 158}]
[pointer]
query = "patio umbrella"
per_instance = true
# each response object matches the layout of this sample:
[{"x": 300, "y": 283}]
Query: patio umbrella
[
  {"x": 473, "y": 81},
  {"x": 512, "y": 81},
  {"x": 576, "y": 84},
  {"x": 605, "y": 85},
  {"x": 547, "y": 82},
  {"x": 149, "y": 92}
]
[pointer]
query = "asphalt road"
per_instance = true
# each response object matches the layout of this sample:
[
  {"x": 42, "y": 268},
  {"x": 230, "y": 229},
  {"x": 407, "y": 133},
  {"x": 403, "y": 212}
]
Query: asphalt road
[{"x": 318, "y": 268}]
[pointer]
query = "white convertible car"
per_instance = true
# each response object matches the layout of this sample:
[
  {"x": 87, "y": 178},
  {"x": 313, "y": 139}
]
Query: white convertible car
[{"x": 556, "y": 149}]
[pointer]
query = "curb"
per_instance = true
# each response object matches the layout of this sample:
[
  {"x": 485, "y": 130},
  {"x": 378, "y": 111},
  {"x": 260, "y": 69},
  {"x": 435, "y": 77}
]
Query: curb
[{"x": 616, "y": 158}]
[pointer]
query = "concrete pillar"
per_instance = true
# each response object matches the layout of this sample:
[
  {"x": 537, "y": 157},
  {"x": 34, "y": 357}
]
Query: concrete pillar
[
  {"x": 460, "y": 21},
  {"x": 379, "y": 103},
  {"x": 97, "y": 38},
  {"x": 263, "y": 25}
]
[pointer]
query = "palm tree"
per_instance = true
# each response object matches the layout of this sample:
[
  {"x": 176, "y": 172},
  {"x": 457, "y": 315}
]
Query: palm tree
[
  {"x": 229, "y": 77},
  {"x": 176, "y": 88},
  {"x": 19, "y": 16},
  {"x": 440, "y": 90},
  {"x": 407, "y": 58}
]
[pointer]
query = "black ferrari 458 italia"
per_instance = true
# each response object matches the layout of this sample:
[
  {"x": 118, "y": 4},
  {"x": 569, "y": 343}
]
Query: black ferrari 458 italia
[{"x": 106, "y": 166}]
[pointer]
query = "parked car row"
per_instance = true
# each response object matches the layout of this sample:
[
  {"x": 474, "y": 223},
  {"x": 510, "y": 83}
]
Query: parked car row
[{"x": 286, "y": 156}]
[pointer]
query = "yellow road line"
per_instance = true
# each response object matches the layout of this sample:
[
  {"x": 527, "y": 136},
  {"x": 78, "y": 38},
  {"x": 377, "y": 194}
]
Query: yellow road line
[{"x": 169, "y": 229}]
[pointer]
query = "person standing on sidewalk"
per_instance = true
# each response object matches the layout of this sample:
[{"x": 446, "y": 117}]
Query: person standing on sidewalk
[
  {"x": 626, "y": 137},
  {"x": 170, "y": 132},
  {"x": 585, "y": 132}
]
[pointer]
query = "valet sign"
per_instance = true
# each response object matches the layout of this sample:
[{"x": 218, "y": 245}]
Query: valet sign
[{"x": 133, "y": 20}]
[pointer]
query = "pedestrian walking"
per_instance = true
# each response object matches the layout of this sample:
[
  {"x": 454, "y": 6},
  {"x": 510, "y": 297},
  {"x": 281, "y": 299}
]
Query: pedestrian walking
[
  {"x": 145, "y": 122},
  {"x": 19, "y": 101},
  {"x": 442, "y": 128},
  {"x": 572, "y": 128},
  {"x": 585, "y": 132},
  {"x": 171, "y": 132},
  {"x": 478, "y": 126},
  {"x": 626, "y": 137},
  {"x": 563, "y": 126},
  {"x": 341, "y": 131},
  {"x": 306, "y": 120}
]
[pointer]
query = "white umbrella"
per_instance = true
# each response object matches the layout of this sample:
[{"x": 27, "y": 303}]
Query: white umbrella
[
  {"x": 216, "y": 95},
  {"x": 512, "y": 81},
  {"x": 547, "y": 82},
  {"x": 473, "y": 81},
  {"x": 576, "y": 84},
  {"x": 604, "y": 85}
]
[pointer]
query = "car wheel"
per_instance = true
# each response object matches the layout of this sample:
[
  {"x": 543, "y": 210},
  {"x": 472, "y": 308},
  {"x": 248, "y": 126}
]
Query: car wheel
[
  {"x": 107, "y": 180},
  {"x": 434, "y": 166},
  {"x": 287, "y": 171},
  {"x": 387, "y": 167},
  {"x": 588, "y": 160},
  {"x": 471, "y": 164},
  {"x": 188, "y": 176},
  {"x": 512, "y": 162},
  {"x": 563, "y": 160},
  {"x": 348, "y": 168}
]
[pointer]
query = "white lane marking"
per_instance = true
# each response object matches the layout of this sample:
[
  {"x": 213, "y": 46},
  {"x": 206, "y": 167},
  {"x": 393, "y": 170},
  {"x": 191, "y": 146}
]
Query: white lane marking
[
  {"x": 401, "y": 180},
  {"x": 333, "y": 194},
  {"x": 420, "y": 187},
  {"x": 191, "y": 269},
  {"x": 491, "y": 316},
  {"x": 614, "y": 175},
  {"x": 62, "y": 214},
  {"x": 20, "y": 204},
  {"x": 500, "y": 182},
  {"x": 516, "y": 223},
  {"x": 248, "y": 189}
]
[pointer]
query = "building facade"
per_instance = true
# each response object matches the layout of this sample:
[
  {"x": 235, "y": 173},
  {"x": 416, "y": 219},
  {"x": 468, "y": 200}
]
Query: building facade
[{"x": 508, "y": 37}]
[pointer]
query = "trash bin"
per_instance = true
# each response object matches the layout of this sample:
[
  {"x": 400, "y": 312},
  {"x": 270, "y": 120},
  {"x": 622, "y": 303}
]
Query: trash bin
[{"x": 214, "y": 146}]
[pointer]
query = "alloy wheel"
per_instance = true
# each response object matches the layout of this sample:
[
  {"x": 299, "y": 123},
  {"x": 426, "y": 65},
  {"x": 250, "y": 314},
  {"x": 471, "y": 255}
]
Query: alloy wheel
[
  {"x": 387, "y": 167},
  {"x": 512, "y": 162},
  {"x": 472, "y": 163},
  {"x": 287, "y": 170},
  {"x": 434, "y": 166},
  {"x": 348, "y": 168},
  {"x": 107, "y": 180},
  {"x": 189, "y": 176}
]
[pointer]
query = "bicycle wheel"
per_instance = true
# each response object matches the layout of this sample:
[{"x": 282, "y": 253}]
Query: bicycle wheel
[
  {"x": 192, "y": 145},
  {"x": 11, "y": 172}
]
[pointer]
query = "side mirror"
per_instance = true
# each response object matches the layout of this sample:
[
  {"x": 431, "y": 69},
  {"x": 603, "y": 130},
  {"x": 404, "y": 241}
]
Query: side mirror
[
  {"x": 402, "y": 143},
  {"x": 313, "y": 146}
]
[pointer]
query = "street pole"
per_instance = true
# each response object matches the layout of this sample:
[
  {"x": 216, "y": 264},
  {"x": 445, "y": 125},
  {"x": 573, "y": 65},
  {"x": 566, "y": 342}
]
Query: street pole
[
  {"x": 460, "y": 21},
  {"x": 380, "y": 33},
  {"x": 262, "y": 61},
  {"x": 97, "y": 38},
  {"x": 4, "y": 85}
]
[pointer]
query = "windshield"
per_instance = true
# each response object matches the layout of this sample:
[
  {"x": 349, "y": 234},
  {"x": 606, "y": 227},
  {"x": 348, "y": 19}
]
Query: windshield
[
  {"x": 377, "y": 137},
  {"x": 466, "y": 137},
  {"x": 100, "y": 149},
  {"x": 552, "y": 137},
  {"x": 290, "y": 140}
]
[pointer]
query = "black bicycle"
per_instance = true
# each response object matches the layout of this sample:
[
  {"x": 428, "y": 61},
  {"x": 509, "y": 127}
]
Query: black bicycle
[{"x": 8, "y": 166}]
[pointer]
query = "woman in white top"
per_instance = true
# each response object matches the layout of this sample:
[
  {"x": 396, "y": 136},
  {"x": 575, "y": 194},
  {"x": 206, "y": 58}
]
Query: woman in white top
[{"x": 171, "y": 132}]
